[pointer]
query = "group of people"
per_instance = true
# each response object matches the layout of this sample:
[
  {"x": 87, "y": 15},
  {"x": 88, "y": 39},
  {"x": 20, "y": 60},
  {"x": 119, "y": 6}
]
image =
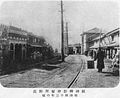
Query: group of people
[
  {"x": 100, "y": 55},
  {"x": 36, "y": 55}
]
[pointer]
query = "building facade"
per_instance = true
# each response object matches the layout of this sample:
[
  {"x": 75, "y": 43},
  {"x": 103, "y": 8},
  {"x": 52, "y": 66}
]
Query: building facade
[
  {"x": 86, "y": 38},
  {"x": 74, "y": 48},
  {"x": 17, "y": 46},
  {"x": 109, "y": 42},
  {"x": 13, "y": 39}
]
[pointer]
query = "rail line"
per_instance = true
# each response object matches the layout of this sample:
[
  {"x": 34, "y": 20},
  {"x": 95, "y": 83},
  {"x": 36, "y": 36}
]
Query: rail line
[
  {"x": 72, "y": 82},
  {"x": 76, "y": 76}
]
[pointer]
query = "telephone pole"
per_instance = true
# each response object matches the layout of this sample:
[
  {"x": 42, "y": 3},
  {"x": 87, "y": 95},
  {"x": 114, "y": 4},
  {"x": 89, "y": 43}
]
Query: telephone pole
[
  {"x": 66, "y": 37},
  {"x": 66, "y": 27},
  {"x": 62, "y": 32}
]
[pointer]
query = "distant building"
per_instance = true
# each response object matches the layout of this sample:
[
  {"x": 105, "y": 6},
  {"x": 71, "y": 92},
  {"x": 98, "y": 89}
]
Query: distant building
[
  {"x": 74, "y": 48},
  {"x": 87, "y": 37}
]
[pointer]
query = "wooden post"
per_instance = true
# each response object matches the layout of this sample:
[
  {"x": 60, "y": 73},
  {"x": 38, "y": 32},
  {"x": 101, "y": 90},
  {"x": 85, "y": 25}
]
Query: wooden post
[{"x": 62, "y": 32}]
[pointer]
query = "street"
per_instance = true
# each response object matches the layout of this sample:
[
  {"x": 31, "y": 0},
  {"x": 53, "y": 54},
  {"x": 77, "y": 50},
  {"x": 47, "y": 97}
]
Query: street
[{"x": 59, "y": 77}]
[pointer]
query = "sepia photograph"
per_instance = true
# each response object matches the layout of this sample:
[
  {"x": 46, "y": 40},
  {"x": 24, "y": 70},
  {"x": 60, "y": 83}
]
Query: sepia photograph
[{"x": 59, "y": 44}]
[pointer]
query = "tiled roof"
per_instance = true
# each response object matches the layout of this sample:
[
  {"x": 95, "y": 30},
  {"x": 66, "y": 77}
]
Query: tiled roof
[
  {"x": 112, "y": 32},
  {"x": 15, "y": 28}
]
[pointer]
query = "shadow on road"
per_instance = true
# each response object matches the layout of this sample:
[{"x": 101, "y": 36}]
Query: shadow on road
[
  {"x": 55, "y": 62},
  {"x": 47, "y": 67}
]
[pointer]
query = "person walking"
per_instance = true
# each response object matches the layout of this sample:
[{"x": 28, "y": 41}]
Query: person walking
[{"x": 100, "y": 59}]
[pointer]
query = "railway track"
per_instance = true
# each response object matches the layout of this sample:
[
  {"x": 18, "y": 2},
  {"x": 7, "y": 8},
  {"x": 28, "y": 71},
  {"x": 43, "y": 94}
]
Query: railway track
[{"x": 72, "y": 82}]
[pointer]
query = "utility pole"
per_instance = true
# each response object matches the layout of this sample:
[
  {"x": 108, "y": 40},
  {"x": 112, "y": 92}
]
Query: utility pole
[
  {"x": 66, "y": 27},
  {"x": 66, "y": 37},
  {"x": 62, "y": 32}
]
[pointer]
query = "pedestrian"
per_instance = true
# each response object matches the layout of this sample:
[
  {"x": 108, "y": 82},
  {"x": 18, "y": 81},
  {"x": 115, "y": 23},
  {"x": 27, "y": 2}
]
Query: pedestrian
[{"x": 100, "y": 59}]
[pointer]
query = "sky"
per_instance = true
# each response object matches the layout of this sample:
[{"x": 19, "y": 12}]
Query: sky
[{"x": 43, "y": 17}]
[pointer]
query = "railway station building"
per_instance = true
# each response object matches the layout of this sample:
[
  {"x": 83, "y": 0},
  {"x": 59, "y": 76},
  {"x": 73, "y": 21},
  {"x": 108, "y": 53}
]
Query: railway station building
[
  {"x": 18, "y": 45},
  {"x": 109, "y": 42},
  {"x": 86, "y": 38},
  {"x": 13, "y": 41}
]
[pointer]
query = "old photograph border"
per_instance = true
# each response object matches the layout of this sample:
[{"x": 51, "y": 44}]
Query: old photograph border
[{"x": 64, "y": 92}]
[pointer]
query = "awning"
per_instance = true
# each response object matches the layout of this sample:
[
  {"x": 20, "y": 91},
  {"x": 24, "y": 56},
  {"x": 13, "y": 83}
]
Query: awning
[
  {"x": 105, "y": 46},
  {"x": 113, "y": 45},
  {"x": 95, "y": 46}
]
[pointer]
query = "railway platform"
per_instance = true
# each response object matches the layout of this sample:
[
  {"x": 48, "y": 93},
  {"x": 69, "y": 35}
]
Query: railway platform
[{"x": 91, "y": 78}]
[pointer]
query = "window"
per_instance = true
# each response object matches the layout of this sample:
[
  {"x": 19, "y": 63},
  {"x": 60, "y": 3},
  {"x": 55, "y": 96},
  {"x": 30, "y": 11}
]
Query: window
[
  {"x": 35, "y": 40},
  {"x": 112, "y": 38}
]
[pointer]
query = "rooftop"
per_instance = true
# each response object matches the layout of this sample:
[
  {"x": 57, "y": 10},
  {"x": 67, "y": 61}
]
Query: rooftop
[{"x": 94, "y": 30}]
